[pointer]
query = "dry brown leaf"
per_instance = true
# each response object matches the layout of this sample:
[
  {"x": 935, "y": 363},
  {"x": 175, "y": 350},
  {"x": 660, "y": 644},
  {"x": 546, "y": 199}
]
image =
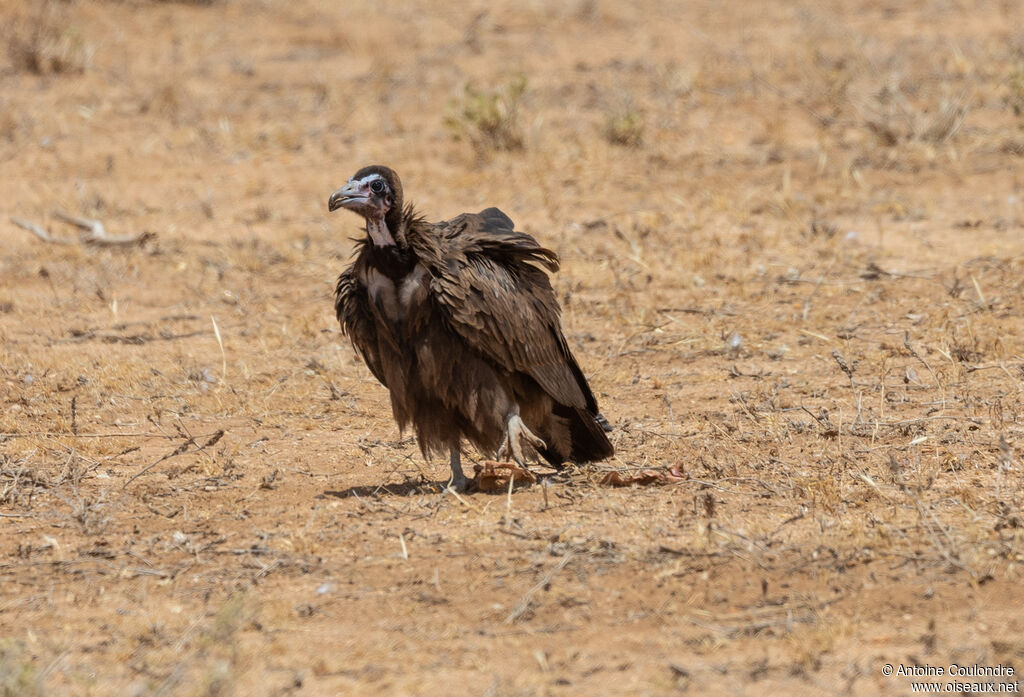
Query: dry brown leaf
[{"x": 494, "y": 476}]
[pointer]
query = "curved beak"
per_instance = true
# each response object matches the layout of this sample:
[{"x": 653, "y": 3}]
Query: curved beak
[{"x": 348, "y": 196}]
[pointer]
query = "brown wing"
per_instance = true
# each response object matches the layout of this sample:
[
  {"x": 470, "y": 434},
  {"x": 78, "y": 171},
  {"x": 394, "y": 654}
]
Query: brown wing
[
  {"x": 492, "y": 288},
  {"x": 351, "y": 305}
]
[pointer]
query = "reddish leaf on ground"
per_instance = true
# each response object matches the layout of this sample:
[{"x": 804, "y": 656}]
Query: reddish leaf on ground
[{"x": 494, "y": 476}]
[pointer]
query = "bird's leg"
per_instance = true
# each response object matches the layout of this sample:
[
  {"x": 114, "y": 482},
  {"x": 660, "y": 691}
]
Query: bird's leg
[
  {"x": 458, "y": 480},
  {"x": 515, "y": 431}
]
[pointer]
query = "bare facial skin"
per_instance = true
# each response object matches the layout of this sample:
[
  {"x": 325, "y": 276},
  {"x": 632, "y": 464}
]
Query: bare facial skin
[{"x": 371, "y": 198}]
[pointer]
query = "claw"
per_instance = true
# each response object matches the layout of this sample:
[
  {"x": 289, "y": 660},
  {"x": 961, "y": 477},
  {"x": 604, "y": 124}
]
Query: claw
[{"x": 515, "y": 432}]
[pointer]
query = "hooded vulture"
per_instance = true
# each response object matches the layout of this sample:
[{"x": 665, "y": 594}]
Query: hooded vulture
[{"x": 459, "y": 321}]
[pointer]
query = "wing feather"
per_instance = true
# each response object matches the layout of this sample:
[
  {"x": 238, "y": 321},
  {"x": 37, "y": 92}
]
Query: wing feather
[
  {"x": 351, "y": 305},
  {"x": 494, "y": 292}
]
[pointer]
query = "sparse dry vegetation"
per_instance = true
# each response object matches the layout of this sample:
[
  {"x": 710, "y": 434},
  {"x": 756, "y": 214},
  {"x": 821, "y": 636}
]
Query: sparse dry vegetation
[
  {"x": 18, "y": 675},
  {"x": 797, "y": 293},
  {"x": 41, "y": 40},
  {"x": 489, "y": 119},
  {"x": 1015, "y": 85},
  {"x": 624, "y": 127}
]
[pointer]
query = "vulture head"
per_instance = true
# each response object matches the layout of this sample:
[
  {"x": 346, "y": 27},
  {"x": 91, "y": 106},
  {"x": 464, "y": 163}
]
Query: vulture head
[{"x": 374, "y": 192}]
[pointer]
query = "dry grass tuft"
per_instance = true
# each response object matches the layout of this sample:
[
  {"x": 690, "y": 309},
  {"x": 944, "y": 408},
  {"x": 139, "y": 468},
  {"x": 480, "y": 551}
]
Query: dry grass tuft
[
  {"x": 624, "y": 127},
  {"x": 45, "y": 44},
  {"x": 18, "y": 675},
  {"x": 171, "y": 99},
  {"x": 1015, "y": 87},
  {"x": 206, "y": 656},
  {"x": 8, "y": 122},
  {"x": 489, "y": 119},
  {"x": 894, "y": 119}
]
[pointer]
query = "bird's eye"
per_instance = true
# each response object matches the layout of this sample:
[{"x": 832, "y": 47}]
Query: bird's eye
[{"x": 377, "y": 186}]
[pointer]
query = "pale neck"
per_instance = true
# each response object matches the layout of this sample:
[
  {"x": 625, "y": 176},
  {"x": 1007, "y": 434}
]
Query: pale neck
[{"x": 379, "y": 232}]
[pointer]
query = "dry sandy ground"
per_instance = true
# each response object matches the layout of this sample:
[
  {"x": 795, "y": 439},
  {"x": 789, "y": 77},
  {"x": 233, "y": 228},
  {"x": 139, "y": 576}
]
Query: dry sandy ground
[{"x": 793, "y": 268}]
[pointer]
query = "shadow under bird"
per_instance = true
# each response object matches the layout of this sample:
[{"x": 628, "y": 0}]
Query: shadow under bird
[{"x": 459, "y": 321}]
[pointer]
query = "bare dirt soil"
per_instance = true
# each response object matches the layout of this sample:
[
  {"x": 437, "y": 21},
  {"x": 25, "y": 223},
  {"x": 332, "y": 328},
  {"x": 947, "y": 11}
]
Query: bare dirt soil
[{"x": 792, "y": 237}]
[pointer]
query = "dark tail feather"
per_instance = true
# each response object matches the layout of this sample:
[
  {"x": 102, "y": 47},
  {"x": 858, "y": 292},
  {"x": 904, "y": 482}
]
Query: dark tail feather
[{"x": 589, "y": 441}]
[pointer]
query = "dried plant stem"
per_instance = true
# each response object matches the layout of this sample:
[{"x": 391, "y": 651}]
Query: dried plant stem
[
  {"x": 92, "y": 232},
  {"x": 223, "y": 356},
  {"x": 524, "y": 603},
  {"x": 915, "y": 354}
]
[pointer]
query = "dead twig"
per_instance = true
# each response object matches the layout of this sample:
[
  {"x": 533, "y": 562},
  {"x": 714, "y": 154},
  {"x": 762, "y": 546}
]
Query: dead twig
[
  {"x": 949, "y": 551},
  {"x": 92, "y": 232},
  {"x": 93, "y": 227},
  {"x": 913, "y": 352},
  {"x": 189, "y": 441},
  {"x": 38, "y": 231},
  {"x": 829, "y": 430},
  {"x": 524, "y": 603}
]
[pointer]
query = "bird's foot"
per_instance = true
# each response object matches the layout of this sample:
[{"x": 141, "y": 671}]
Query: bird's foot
[
  {"x": 458, "y": 480},
  {"x": 496, "y": 476},
  {"x": 515, "y": 432},
  {"x": 460, "y": 484}
]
